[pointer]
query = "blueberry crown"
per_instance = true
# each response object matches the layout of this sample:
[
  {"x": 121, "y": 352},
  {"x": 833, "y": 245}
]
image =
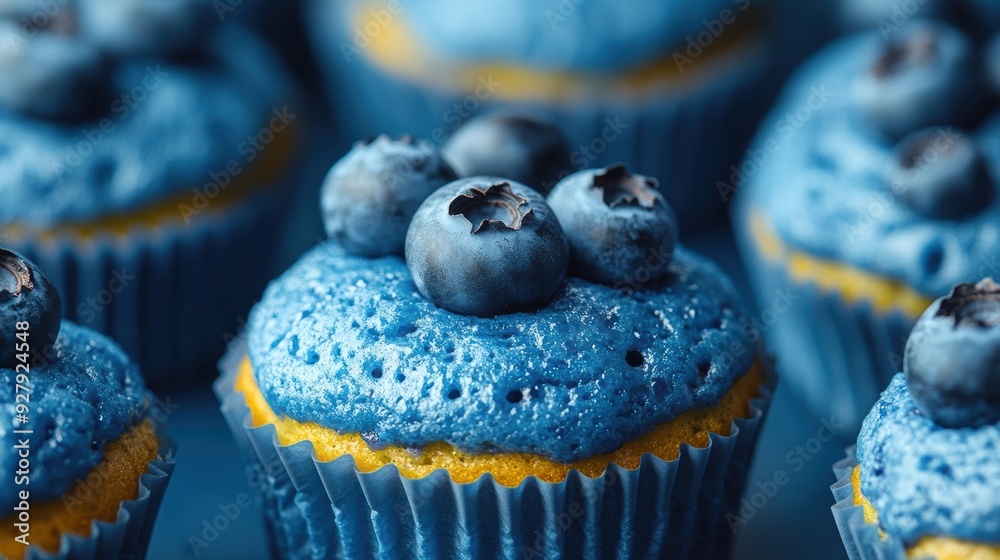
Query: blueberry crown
[
  {"x": 973, "y": 305},
  {"x": 496, "y": 208},
  {"x": 620, "y": 187},
  {"x": 17, "y": 272}
]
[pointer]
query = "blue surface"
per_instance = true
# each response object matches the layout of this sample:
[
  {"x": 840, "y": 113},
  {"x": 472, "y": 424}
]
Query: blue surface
[{"x": 787, "y": 521}]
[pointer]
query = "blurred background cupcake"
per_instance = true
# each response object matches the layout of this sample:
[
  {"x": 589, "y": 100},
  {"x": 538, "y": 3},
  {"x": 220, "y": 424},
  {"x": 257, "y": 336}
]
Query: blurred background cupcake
[
  {"x": 432, "y": 392},
  {"x": 673, "y": 88},
  {"x": 83, "y": 456},
  {"x": 924, "y": 479},
  {"x": 870, "y": 191},
  {"x": 147, "y": 155}
]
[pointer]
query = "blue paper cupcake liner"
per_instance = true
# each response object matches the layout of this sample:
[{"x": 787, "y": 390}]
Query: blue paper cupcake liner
[
  {"x": 662, "y": 508},
  {"x": 686, "y": 136},
  {"x": 836, "y": 355},
  {"x": 128, "y": 536},
  {"x": 182, "y": 286},
  {"x": 861, "y": 539}
]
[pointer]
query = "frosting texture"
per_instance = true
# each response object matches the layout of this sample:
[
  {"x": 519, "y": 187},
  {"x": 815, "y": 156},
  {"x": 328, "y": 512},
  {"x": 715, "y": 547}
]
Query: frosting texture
[
  {"x": 350, "y": 344},
  {"x": 819, "y": 172},
  {"x": 88, "y": 394},
  {"x": 166, "y": 128},
  {"x": 926, "y": 480}
]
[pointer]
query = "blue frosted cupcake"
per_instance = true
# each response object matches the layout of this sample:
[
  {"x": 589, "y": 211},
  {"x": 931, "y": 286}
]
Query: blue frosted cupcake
[
  {"x": 82, "y": 451},
  {"x": 674, "y": 88},
  {"x": 869, "y": 192},
  {"x": 494, "y": 380},
  {"x": 145, "y": 177},
  {"x": 924, "y": 480}
]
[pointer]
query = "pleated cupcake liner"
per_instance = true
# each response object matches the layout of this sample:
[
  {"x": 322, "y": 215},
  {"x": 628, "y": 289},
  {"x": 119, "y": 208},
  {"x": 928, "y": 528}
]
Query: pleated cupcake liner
[
  {"x": 861, "y": 539},
  {"x": 127, "y": 537},
  {"x": 687, "y": 137},
  {"x": 836, "y": 355},
  {"x": 314, "y": 509},
  {"x": 180, "y": 287}
]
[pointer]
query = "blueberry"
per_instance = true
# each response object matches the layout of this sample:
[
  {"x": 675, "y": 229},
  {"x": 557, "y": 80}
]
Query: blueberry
[
  {"x": 952, "y": 358},
  {"x": 27, "y": 297},
  {"x": 486, "y": 246},
  {"x": 941, "y": 174},
  {"x": 926, "y": 75},
  {"x": 370, "y": 195},
  {"x": 146, "y": 27},
  {"x": 54, "y": 74},
  {"x": 523, "y": 148},
  {"x": 621, "y": 230}
]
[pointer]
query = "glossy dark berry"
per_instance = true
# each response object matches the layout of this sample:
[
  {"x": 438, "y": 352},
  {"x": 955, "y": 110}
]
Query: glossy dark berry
[
  {"x": 952, "y": 357},
  {"x": 621, "y": 230},
  {"x": 486, "y": 246},
  {"x": 520, "y": 147},
  {"x": 144, "y": 27},
  {"x": 940, "y": 173},
  {"x": 926, "y": 75},
  {"x": 27, "y": 299},
  {"x": 370, "y": 195},
  {"x": 54, "y": 74}
]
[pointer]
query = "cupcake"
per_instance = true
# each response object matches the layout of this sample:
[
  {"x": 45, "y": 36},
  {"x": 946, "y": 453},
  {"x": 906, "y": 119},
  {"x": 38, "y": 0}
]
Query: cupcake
[
  {"x": 83, "y": 455},
  {"x": 505, "y": 377},
  {"x": 924, "y": 480},
  {"x": 144, "y": 168},
  {"x": 674, "y": 88},
  {"x": 869, "y": 192}
]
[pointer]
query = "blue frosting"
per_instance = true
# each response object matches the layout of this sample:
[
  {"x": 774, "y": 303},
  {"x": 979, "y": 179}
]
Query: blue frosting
[
  {"x": 925, "y": 479},
  {"x": 349, "y": 343},
  {"x": 173, "y": 125},
  {"x": 563, "y": 33},
  {"x": 89, "y": 393},
  {"x": 816, "y": 170}
]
